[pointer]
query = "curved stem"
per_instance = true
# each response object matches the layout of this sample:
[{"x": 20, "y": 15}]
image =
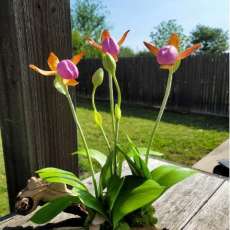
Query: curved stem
[
  {"x": 117, "y": 121},
  {"x": 83, "y": 139},
  {"x": 111, "y": 99},
  {"x": 118, "y": 90},
  {"x": 100, "y": 126},
  {"x": 162, "y": 108}
]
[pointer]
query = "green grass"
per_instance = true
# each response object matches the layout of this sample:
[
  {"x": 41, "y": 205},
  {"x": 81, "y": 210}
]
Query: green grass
[
  {"x": 183, "y": 138},
  {"x": 4, "y": 208}
]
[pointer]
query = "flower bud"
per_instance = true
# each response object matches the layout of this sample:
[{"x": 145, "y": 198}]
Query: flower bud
[
  {"x": 109, "y": 63},
  {"x": 97, "y": 118},
  {"x": 67, "y": 69},
  {"x": 167, "y": 55},
  {"x": 117, "y": 112},
  {"x": 98, "y": 77}
]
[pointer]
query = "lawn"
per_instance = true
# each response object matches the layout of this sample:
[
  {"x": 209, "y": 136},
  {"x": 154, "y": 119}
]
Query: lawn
[{"x": 183, "y": 138}]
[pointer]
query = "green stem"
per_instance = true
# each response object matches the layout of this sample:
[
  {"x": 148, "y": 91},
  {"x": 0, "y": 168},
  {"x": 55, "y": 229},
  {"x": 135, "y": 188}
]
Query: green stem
[
  {"x": 100, "y": 126},
  {"x": 83, "y": 139},
  {"x": 111, "y": 99},
  {"x": 162, "y": 108},
  {"x": 117, "y": 121}
]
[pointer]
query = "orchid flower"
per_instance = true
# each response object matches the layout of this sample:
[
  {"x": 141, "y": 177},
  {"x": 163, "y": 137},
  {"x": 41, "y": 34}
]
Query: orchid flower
[
  {"x": 66, "y": 69},
  {"x": 108, "y": 44},
  {"x": 168, "y": 55}
]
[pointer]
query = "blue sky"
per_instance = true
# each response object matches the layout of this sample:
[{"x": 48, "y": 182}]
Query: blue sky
[{"x": 141, "y": 16}]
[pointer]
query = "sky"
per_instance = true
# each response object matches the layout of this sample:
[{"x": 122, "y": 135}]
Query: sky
[{"x": 141, "y": 16}]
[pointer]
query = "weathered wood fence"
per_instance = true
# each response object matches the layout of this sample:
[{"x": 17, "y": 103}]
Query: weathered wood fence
[
  {"x": 201, "y": 85},
  {"x": 36, "y": 123}
]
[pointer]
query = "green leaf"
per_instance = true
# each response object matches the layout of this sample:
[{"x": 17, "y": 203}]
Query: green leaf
[
  {"x": 55, "y": 175},
  {"x": 106, "y": 172},
  {"x": 91, "y": 202},
  {"x": 135, "y": 193},
  {"x": 168, "y": 175},
  {"x": 114, "y": 187},
  {"x": 136, "y": 164},
  {"x": 58, "y": 84},
  {"x": 151, "y": 152},
  {"x": 122, "y": 226},
  {"x": 95, "y": 154},
  {"x": 51, "y": 209}
]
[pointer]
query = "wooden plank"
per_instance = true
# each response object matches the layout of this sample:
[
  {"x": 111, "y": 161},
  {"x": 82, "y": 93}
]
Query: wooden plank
[
  {"x": 208, "y": 162},
  {"x": 214, "y": 214},
  {"x": 176, "y": 207},
  {"x": 36, "y": 122}
]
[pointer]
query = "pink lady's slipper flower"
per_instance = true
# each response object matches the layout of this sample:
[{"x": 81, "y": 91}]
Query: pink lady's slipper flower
[
  {"x": 108, "y": 44},
  {"x": 66, "y": 69},
  {"x": 168, "y": 55}
]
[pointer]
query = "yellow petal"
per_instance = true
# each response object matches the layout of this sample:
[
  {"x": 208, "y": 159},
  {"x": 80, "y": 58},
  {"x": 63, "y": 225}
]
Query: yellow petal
[
  {"x": 122, "y": 39},
  {"x": 76, "y": 58},
  {"x": 41, "y": 71},
  {"x": 188, "y": 51},
  {"x": 166, "y": 66},
  {"x": 104, "y": 35},
  {"x": 53, "y": 61},
  {"x": 153, "y": 49},
  {"x": 94, "y": 44},
  {"x": 174, "y": 40},
  {"x": 70, "y": 82}
]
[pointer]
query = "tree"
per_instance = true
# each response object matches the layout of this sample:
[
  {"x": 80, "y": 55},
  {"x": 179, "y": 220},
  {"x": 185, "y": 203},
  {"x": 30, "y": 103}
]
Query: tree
[
  {"x": 88, "y": 18},
  {"x": 79, "y": 44},
  {"x": 213, "y": 40},
  {"x": 162, "y": 32},
  {"x": 126, "y": 52}
]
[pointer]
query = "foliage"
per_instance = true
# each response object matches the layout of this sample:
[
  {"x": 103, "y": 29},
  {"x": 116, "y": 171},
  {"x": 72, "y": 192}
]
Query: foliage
[
  {"x": 126, "y": 52},
  {"x": 89, "y": 18},
  {"x": 78, "y": 44},
  {"x": 163, "y": 31},
  {"x": 115, "y": 196},
  {"x": 213, "y": 40}
]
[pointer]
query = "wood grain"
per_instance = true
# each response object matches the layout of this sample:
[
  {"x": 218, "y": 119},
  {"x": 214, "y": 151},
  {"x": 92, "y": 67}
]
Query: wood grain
[
  {"x": 214, "y": 214},
  {"x": 36, "y": 122},
  {"x": 199, "y": 86},
  {"x": 194, "y": 199}
]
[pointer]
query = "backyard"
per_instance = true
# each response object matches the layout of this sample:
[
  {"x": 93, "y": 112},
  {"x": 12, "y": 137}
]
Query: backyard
[{"x": 183, "y": 138}]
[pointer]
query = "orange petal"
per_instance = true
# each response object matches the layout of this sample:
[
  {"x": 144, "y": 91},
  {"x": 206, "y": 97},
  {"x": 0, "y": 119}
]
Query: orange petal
[
  {"x": 53, "y": 61},
  {"x": 41, "y": 71},
  {"x": 76, "y": 58},
  {"x": 104, "y": 35},
  {"x": 70, "y": 82},
  {"x": 166, "y": 66},
  {"x": 94, "y": 44},
  {"x": 122, "y": 39},
  {"x": 174, "y": 40},
  {"x": 153, "y": 49},
  {"x": 188, "y": 51}
]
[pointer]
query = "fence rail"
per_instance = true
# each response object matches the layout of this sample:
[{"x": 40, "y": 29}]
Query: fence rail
[{"x": 201, "y": 85}]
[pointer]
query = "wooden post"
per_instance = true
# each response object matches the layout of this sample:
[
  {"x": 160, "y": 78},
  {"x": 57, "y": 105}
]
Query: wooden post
[{"x": 36, "y": 123}]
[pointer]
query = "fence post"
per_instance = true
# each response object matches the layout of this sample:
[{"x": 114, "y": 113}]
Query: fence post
[{"x": 36, "y": 123}]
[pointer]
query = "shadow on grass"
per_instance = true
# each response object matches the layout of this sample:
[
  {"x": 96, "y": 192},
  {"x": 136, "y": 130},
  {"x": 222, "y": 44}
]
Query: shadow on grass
[{"x": 205, "y": 122}]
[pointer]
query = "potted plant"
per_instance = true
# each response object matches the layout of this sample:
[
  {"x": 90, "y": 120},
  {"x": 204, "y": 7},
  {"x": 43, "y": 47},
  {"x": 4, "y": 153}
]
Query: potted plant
[{"x": 117, "y": 201}]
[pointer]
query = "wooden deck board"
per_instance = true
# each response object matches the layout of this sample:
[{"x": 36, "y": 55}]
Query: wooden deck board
[
  {"x": 214, "y": 214},
  {"x": 190, "y": 200}
]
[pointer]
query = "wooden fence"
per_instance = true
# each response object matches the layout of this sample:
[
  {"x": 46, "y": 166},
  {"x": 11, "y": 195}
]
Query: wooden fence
[
  {"x": 36, "y": 123},
  {"x": 201, "y": 85}
]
